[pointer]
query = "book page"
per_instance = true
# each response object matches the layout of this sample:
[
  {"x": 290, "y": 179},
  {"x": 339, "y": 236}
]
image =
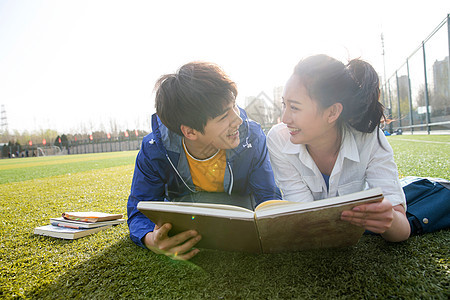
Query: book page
[
  {"x": 272, "y": 203},
  {"x": 90, "y": 216},
  {"x": 67, "y": 233},
  {"x": 204, "y": 209},
  {"x": 61, "y": 221},
  {"x": 283, "y": 207},
  {"x": 318, "y": 224},
  {"x": 312, "y": 229}
]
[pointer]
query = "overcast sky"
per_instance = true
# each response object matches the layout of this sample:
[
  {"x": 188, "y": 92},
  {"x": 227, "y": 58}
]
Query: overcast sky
[{"x": 74, "y": 65}]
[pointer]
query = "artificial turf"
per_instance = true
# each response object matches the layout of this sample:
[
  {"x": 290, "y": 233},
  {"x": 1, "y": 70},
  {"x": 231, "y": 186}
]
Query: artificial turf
[{"x": 107, "y": 265}]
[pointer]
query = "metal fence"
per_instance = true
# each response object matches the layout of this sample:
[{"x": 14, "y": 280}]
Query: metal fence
[
  {"x": 103, "y": 146},
  {"x": 417, "y": 96},
  {"x": 79, "y": 147}
]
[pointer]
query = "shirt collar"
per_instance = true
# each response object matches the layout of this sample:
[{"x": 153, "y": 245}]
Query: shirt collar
[
  {"x": 348, "y": 150},
  {"x": 301, "y": 151},
  {"x": 290, "y": 148}
]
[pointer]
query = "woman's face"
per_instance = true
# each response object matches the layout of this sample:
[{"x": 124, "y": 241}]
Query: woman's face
[{"x": 306, "y": 122}]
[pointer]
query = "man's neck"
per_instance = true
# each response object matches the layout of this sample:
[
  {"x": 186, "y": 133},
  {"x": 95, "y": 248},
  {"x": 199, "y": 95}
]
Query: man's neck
[{"x": 199, "y": 151}]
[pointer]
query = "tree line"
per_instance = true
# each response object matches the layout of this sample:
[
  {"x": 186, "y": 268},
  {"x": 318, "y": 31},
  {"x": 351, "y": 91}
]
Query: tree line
[{"x": 19, "y": 144}]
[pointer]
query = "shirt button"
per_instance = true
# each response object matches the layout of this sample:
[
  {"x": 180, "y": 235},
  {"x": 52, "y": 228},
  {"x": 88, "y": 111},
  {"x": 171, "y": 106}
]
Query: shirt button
[{"x": 425, "y": 221}]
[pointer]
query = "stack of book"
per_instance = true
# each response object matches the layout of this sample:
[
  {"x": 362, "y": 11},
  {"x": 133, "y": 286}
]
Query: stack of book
[{"x": 73, "y": 225}]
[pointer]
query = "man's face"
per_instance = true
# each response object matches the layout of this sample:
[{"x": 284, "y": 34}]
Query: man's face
[{"x": 222, "y": 132}]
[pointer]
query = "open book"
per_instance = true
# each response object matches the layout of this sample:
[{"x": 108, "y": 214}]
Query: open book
[{"x": 275, "y": 226}]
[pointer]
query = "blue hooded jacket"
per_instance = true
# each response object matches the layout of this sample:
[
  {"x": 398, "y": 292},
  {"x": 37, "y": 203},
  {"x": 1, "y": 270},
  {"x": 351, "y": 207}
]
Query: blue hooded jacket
[{"x": 162, "y": 172}]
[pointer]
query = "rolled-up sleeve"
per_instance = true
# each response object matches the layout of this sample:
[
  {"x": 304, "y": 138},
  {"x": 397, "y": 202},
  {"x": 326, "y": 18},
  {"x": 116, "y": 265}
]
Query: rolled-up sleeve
[
  {"x": 382, "y": 171},
  {"x": 147, "y": 185}
]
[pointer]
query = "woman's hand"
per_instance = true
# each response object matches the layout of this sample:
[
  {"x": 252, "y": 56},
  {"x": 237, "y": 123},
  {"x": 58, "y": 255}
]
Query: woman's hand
[
  {"x": 382, "y": 218},
  {"x": 178, "y": 247}
]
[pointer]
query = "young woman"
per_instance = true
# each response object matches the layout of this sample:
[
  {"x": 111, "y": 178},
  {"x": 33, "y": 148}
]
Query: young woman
[{"x": 330, "y": 143}]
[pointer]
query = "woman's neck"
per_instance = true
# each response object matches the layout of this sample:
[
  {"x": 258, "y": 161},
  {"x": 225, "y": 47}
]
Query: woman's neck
[{"x": 324, "y": 151}]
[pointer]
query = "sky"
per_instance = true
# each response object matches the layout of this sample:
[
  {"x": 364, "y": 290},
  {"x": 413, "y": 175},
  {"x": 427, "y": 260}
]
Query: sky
[{"x": 82, "y": 66}]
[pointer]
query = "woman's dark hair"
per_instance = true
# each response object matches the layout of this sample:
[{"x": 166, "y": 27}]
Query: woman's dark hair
[
  {"x": 355, "y": 86},
  {"x": 197, "y": 92}
]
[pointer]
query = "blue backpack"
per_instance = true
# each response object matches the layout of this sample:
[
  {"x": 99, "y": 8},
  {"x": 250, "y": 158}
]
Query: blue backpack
[{"x": 428, "y": 203}]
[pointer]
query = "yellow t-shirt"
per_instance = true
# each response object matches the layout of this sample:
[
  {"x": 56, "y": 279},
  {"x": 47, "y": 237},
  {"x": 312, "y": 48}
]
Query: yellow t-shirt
[{"x": 207, "y": 175}]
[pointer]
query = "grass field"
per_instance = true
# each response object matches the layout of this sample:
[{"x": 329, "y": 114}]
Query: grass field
[{"x": 107, "y": 265}]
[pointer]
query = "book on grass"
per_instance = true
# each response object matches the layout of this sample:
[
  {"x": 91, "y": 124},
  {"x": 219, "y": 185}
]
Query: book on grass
[
  {"x": 61, "y": 222},
  {"x": 90, "y": 216},
  {"x": 67, "y": 233},
  {"x": 274, "y": 226}
]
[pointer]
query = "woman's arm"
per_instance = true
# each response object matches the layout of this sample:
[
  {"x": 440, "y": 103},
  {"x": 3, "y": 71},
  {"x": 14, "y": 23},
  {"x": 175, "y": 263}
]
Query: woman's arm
[
  {"x": 382, "y": 171},
  {"x": 383, "y": 218},
  {"x": 400, "y": 229},
  {"x": 387, "y": 217}
]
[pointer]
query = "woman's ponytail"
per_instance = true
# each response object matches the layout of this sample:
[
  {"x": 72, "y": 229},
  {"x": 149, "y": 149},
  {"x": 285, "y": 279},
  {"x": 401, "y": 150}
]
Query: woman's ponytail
[
  {"x": 364, "y": 109},
  {"x": 355, "y": 85}
]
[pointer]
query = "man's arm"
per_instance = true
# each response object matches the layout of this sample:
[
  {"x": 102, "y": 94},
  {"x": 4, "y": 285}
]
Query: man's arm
[
  {"x": 148, "y": 185},
  {"x": 261, "y": 181},
  {"x": 178, "y": 247}
]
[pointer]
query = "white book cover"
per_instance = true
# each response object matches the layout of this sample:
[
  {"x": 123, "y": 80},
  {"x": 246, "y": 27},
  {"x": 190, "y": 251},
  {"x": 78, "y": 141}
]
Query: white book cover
[{"x": 66, "y": 233}]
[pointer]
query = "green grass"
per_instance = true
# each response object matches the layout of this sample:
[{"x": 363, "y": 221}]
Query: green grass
[
  {"x": 425, "y": 138},
  {"x": 20, "y": 169},
  {"x": 107, "y": 265},
  {"x": 422, "y": 155}
]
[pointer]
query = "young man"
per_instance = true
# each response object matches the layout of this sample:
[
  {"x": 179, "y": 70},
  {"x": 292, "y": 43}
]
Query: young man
[{"x": 200, "y": 141}]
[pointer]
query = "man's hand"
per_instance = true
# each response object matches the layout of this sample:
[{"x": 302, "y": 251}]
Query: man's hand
[{"x": 178, "y": 247}]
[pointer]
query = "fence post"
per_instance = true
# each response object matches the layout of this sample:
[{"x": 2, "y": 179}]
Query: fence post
[
  {"x": 391, "y": 130},
  {"x": 427, "y": 101},
  {"x": 448, "y": 57},
  {"x": 411, "y": 119},
  {"x": 398, "y": 101}
]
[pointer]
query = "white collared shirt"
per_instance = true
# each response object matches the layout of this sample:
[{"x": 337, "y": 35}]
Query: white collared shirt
[{"x": 361, "y": 163}]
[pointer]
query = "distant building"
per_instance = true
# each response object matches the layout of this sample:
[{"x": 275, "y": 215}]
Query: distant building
[
  {"x": 248, "y": 100},
  {"x": 277, "y": 96},
  {"x": 4, "y": 120},
  {"x": 440, "y": 96},
  {"x": 403, "y": 86},
  {"x": 263, "y": 110},
  {"x": 440, "y": 78}
]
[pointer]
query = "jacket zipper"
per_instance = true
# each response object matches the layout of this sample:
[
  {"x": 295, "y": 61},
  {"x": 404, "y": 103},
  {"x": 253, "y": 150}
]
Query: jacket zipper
[
  {"x": 231, "y": 175},
  {"x": 168, "y": 158},
  {"x": 176, "y": 171}
]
